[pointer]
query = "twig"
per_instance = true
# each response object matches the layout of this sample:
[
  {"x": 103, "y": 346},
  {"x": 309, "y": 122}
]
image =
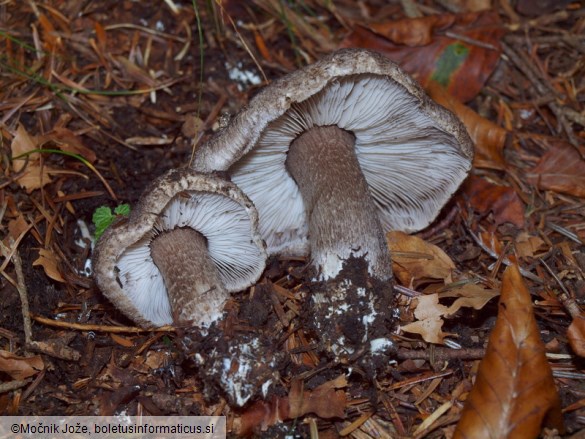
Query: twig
[
  {"x": 469, "y": 40},
  {"x": 519, "y": 58},
  {"x": 12, "y": 254},
  {"x": 12, "y": 385},
  {"x": 489, "y": 251},
  {"x": 566, "y": 299},
  {"x": 567, "y": 233},
  {"x": 441, "y": 354},
  {"x": 99, "y": 328}
]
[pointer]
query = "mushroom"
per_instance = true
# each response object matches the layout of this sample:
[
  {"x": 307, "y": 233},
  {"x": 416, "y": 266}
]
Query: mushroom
[
  {"x": 190, "y": 241},
  {"x": 336, "y": 153}
]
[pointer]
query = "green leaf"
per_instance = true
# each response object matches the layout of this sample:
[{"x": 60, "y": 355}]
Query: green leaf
[
  {"x": 122, "y": 209},
  {"x": 103, "y": 217}
]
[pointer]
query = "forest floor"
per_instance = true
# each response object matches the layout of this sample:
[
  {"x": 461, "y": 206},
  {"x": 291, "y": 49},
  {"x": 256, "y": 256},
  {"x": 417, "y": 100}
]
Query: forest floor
[{"x": 99, "y": 98}]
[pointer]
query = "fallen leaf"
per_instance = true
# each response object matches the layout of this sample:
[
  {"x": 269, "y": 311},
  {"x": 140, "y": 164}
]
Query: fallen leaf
[
  {"x": 502, "y": 201},
  {"x": 48, "y": 260},
  {"x": 66, "y": 140},
  {"x": 514, "y": 392},
  {"x": 326, "y": 401},
  {"x": 34, "y": 175},
  {"x": 429, "y": 323},
  {"x": 576, "y": 335},
  {"x": 527, "y": 245},
  {"x": 20, "y": 368},
  {"x": 560, "y": 169},
  {"x": 413, "y": 31},
  {"x": 16, "y": 227},
  {"x": 489, "y": 138},
  {"x": 448, "y": 61},
  {"x": 415, "y": 261},
  {"x": 469, "y": 296}
]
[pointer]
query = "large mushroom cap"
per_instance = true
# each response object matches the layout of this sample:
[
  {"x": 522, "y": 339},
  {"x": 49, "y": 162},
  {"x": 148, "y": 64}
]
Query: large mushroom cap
[
  {"x": 182, "y": 198},
  {"x": 413, "y": 153}
]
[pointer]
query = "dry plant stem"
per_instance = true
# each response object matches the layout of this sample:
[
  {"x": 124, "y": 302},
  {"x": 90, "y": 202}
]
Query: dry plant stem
[
  {"x": 23, "y": 298},
  {"x": 324, "y": 165},
  {"x": 182, "y": 257},
  {"x": 441, "y": 354},
  {"x": 99, "y": 328}
]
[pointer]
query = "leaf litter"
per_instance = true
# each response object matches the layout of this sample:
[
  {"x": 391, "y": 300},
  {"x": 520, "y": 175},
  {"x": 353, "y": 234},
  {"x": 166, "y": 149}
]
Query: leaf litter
[{"x": 87, "y": 79}]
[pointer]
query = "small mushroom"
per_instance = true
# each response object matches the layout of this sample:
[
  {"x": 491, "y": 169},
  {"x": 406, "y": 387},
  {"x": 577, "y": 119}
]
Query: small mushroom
[
  {"x": 190, "y": 241},
  {"x": 338, "y": 152}
]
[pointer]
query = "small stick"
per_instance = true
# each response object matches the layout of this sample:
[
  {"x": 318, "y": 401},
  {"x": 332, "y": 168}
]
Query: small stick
[
  {"x": 442, "y": 354},
  {"x": 99, "y": 328}
]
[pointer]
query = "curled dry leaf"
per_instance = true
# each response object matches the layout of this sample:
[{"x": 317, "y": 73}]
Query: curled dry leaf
[
  {"x": 576, "y": 335},
  {"x": 429, "y": 312},
  {"x": 560, "y": 169},
  {"x": 502, "y": 201},
  {"x": 67, "y": 140},
  {"x": 469, "y": 296},
  {"x": 326, "y": 401},
  {"x": 514, "y": 392},
  {"x": 34, "y": 174},
  {"x": 489, "y": 138},
  {"x": 527, "y": 245},
  {"x": 429, "y": 323},
  {"x": 415, "y": 261},
  {"x": 20, "y": 368},
  {"x": 48, "y": 260}
]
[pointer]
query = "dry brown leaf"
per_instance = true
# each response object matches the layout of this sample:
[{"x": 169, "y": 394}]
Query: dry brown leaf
[
  {"x": 415, "y": 260},
  {"x": 16, "y": 227},
  {"x": 514, "y": 392},
  {"x": 560, "y": 169},
  {"x": 527, "y": 245},
  {"x": 489, "y": 138},
  {"x": 34, "y": 175},
  {"x": 48, "y": 260},
  {"x": 67, "y": 140},
  {"x": 469, "y": 296},
  {"x": 576, "y": 335},
  {"x": 20, "y": 368},
  {"x": 502, "y": 201},
  {"x": 326, "y": 401},
  {"x": 449, "y": 61},
  {"x": 413, "y": 31},
  {"x": 429, "y": 323}
]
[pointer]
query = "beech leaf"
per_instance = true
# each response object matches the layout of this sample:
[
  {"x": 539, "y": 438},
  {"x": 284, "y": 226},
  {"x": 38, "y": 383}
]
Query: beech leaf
[
  {"x": 415, "y": 260},
  {"x": 576, "y": 335},
  {"x": 560, "y": 169},
  {"x": 429, "y": 323},
  {"x": 20, "y": 368},
  {"x": 49, "y": 262},
  {"x": 514, "y": 392},
  {"x": 502, "y": 201},
  {"x": 489, "y": 138}
]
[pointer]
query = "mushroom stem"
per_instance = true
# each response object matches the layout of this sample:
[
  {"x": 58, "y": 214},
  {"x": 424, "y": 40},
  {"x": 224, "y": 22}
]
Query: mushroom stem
[
  {"x": 342, "y": 216},
  {"x": 190, "y": 276}
]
